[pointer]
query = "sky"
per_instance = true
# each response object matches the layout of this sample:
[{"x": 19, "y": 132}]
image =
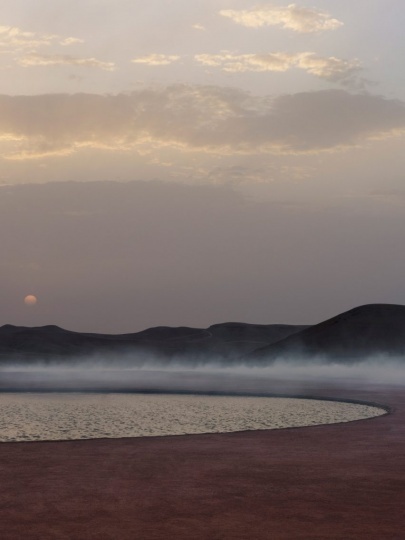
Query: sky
[{"x": 186, "y": 162}]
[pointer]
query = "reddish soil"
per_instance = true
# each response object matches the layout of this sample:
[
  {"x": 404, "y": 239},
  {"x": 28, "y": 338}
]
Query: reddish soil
[{"x": 343, "y": 481}]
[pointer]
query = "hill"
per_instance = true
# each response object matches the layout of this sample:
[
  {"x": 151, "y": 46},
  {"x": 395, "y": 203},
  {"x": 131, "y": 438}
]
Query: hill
[
  {"x": 375, "y": 329},
  {"x": 223, "y": 341},
  {"x": 369, "y": 330}
]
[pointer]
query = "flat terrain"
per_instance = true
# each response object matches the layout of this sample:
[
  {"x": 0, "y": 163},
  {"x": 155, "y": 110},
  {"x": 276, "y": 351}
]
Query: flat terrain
[
  {"x": 342, "y": 481},
  {"x": 32, "y": 417}
]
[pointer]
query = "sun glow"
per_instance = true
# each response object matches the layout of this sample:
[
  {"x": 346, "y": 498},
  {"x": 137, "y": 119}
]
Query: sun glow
[{"x": 30, "y": 300}]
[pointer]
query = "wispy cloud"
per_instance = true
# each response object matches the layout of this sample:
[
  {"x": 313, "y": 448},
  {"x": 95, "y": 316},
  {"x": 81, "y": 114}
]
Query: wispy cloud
[
  {"x": 292, "y": 17},
  {"x": 156, "y": 59},
  {"x": 32, "y": 60},
  {"x": 208, "y": 119},
  {"x": 329, "y": 68},
  {"x": 14, "y": 39},
  {"x": 70, "y": 41}
]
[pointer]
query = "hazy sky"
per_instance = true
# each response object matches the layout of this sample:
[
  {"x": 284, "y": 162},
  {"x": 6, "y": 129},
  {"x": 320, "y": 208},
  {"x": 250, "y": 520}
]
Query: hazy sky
[{"x": 187, "y": 162}]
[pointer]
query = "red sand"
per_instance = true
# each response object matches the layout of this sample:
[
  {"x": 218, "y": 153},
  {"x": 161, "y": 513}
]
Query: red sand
[{"x": 343, "y": 481}]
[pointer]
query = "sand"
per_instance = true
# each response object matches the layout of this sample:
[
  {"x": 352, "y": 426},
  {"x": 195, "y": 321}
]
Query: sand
[
  {"x": 336, "y": 482},
  {"x": 35, "y": 417}
]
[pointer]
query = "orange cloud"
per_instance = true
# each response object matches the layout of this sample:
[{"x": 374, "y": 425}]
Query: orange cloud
[
  {"x": 208, "y": 119},
  {"x": 291, "y": 17}
]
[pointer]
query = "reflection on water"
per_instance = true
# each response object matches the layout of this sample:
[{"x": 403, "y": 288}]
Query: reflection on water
[{"x": 33, "y": 417}]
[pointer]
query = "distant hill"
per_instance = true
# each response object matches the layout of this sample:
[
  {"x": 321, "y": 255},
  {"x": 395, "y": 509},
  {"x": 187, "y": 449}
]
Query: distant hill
[
  {"x": 361, "y": 332},
  {"x": 223, "y": 341}
]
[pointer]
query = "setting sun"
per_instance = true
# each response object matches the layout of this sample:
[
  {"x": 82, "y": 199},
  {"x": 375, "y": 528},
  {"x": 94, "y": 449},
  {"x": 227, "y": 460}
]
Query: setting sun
[{"x": 30, "y": 300}]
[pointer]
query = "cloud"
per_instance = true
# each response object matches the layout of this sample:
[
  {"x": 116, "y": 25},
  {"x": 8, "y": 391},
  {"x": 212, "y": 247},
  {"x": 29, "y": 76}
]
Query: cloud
[
  {"x": 198, "y": 26},
  {"x": 210, "y": 119},
  {"x": 329, "y": 68},
  {"x": 31, "y": 60},
  {"x": 156, "y": 59},
  {"x": 70, "y": 41},
  {"x": 14, "y": 39},
  {"x": 292, "y": 17}
]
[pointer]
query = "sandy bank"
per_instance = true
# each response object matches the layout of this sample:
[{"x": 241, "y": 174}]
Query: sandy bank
[
  {"x": 52, "y": 416},
  {"x": 341, "y": 481}
]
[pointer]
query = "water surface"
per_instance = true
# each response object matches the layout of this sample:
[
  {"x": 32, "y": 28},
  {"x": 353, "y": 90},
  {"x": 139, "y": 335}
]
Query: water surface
[{"x": 52, "y": 416}]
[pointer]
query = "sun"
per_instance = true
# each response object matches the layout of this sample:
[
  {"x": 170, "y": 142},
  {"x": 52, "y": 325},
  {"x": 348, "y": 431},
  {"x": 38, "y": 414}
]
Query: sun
[{"x": 30, "y": 300}]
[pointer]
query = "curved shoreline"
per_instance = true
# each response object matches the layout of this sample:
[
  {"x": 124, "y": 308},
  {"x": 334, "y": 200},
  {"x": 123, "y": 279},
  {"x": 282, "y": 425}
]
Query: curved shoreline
[
  {"x": 337, "y": 481},
  {"x": 40, "y": 417}
]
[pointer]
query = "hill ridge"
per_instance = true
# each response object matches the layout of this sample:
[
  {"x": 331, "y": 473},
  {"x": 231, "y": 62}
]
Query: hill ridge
[{"x": 370, "y": 329}]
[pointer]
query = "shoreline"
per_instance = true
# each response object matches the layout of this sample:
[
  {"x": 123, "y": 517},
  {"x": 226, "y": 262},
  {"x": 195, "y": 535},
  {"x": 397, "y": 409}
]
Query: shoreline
[
  {"x": 46, "y": 417},
  {"x": 337, "y": 481}
]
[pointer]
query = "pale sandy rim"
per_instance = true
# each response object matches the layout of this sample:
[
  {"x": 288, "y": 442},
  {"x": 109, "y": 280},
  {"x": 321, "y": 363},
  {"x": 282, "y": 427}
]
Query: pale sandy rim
[{"x": 380, "y": 406}]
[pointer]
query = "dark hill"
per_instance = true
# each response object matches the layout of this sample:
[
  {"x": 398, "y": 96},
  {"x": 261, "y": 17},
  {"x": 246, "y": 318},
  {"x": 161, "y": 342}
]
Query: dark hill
[
  {"x": 222, "y": 341},
  {"x": 363, "y": 331}
]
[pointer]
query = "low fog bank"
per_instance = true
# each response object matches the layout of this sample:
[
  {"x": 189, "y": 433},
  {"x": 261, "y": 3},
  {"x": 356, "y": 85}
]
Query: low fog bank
[
  {"x": 94, "y": 374},
  {"x": 375, "y": 370}
]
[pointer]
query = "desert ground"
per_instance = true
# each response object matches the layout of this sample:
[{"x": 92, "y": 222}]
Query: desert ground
[{"x": 341, "y": 481}]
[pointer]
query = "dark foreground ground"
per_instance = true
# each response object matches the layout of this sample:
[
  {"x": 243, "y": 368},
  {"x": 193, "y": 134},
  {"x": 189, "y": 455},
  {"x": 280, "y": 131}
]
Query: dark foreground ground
[{"x": 342, "y": 481}]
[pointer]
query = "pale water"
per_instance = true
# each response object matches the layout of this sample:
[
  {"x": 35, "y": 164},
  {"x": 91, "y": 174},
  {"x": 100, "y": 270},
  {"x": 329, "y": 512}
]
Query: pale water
[{"x": 34, "y": 417}]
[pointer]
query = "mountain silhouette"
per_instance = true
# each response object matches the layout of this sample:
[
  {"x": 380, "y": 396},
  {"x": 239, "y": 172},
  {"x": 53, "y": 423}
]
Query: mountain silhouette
[
  {"x": 369, "y": 330},
  {"x": 374, "y": 329},
  {"x": 225, "y": 341}
]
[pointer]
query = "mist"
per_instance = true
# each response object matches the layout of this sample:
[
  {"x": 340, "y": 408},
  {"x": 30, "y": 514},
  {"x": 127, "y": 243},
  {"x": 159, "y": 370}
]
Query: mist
[{"x": 212, "y": 376}]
